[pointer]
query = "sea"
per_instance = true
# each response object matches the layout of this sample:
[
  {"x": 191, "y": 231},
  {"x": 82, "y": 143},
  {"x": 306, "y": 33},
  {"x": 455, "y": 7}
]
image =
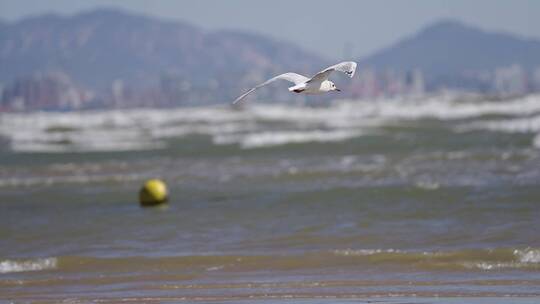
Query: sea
[{"x": 432, "y": 199}]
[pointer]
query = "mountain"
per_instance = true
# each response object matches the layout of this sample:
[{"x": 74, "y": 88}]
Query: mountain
[
  {"x": 111, "y": 58},
  {"x": 448, "y": 50},
  {"x": 99, "y": 47}
]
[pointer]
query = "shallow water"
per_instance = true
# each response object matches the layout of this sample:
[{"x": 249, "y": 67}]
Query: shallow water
[{"x": 398, "y": 201}]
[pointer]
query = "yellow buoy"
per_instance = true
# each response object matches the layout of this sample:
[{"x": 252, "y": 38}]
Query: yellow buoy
[{"x": 153, "y": 193}]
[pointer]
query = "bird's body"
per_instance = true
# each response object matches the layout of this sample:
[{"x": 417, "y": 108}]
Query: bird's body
[
  {"x": 313, "y": 87},
  {"x": 317, "y": 84}
]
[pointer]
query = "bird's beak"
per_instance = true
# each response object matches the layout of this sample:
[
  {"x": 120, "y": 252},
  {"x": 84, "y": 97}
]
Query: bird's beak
[{"x": 338, "y": 90}]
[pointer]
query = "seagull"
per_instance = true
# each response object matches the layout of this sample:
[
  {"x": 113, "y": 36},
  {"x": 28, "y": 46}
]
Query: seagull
[{"x": 317, "y": 84}]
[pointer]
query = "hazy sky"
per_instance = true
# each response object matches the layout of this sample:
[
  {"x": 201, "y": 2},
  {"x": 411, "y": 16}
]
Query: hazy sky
[{"x": 325, "y": 27}]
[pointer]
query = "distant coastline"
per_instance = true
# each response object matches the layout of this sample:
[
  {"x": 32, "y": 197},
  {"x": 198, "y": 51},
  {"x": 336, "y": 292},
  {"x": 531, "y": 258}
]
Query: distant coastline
[{"x": 112, "y": 59}]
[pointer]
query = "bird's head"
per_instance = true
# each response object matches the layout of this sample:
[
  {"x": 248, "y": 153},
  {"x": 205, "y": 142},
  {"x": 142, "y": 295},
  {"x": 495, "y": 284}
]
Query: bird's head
[{"x": 333, "y": 87}]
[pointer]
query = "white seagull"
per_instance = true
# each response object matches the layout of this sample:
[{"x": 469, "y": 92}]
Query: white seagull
[{"x": 317, "y": 84}]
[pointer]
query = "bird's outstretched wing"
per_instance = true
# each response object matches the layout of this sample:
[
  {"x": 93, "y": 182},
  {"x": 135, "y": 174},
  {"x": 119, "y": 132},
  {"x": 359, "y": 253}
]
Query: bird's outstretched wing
[
  {"x": 292, "y": 77},
  {"x": 347, "y": 67}
]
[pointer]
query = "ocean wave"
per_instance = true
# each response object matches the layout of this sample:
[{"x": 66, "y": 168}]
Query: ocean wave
[
  {"x": 68, "y": 179},
  {"x": 518, "y": 125},
  {"x": 492, "y": 266},
  {"x": 255, "y": 126},
  {"x": 9, "y": 266},
  {"x": 479, "y": 259},
  {"x": 467, "y": 259},
  {"x": 523, "y": 259},
  {"x": 268, "y": 139},
  {"x": 440, "y": 107},
  {"x": 93, "y": 146},
  {"x": 536, "y": 141},
  {"x": 525, "y": 125},
  {"x": 528, "y": 255},
  {"x": 364, "y": 252},
  {"x": 115, "y": 130}
]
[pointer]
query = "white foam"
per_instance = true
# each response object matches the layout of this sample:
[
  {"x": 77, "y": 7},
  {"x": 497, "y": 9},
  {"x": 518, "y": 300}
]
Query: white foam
[
  {"x": 427, "y": 185},
  {"x": 517, "y": 125},
  {"x": 268, "y": 139},
  {"x": 528, "y": 255},
  {"x": 115, "y": 130},
  {"x": 440, "y": 107},
  {"x": 215, "y": 268},
  {"x": 364, "y": 252},
  {"x": 492, "y": 266},
  {"x": 524, "y": 259},
  {"x": 143, "y": 129},
  {"x": 68, "y": 179},
  {"x": 437, "y": 107},
  {"x": 9, "y": 266},
  {"x": 536, "y": 141}
]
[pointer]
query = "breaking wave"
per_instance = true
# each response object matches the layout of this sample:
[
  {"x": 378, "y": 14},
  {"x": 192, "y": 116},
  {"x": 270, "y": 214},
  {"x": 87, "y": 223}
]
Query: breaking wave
[
  {"x": 483, "y": 259},
  {"x": 9, "y": 266},
  {"x": 267, "y": 139},
  {"x": 256, "y": 126},
  {"x": 515, "y": 125},
  {"x": 472, "y": 259}
]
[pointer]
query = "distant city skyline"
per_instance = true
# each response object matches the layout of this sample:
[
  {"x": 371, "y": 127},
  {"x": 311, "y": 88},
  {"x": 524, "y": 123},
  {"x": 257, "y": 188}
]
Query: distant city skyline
[{"x": 334, "y": 29}]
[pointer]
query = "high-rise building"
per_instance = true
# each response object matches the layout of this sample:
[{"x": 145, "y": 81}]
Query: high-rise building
[
  {"x": 510, "y": 80},
  {"x": 417, "y": 84},
  {"x": 368, "y": 83},
  {"x": 535, "y": 79},
  {"x": 394, "y": 83},
  {"x": 53, "y": 90}
]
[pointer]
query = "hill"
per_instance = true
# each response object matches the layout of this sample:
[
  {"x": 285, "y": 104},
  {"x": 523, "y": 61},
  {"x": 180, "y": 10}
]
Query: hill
[
  {"x": 448, "y": 51},
  {"x": 98, "y": 47}
]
